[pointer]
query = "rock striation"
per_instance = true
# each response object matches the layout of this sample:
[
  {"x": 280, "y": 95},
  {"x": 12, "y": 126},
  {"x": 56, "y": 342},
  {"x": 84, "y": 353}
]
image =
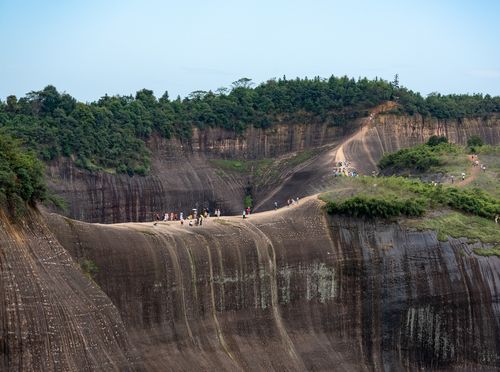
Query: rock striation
[
  {"x": 295, "y": 290},
  {"x": 184, "y": 175},
  {"x": 52, "y": 317}
]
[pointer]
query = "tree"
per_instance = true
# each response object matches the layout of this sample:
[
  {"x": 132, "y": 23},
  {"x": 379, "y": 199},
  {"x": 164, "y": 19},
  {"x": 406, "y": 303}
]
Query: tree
[
  {"x": 11, "y": 103},
  {"x": 395, "y": 82},
  {"x": 242, "y": 83}
]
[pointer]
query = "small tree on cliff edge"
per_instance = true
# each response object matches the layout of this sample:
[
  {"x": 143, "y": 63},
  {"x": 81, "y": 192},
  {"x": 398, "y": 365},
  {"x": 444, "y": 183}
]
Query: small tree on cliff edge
[{"x": 395, "y": 87}]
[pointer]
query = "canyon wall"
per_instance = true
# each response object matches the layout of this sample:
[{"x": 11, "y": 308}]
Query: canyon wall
[
  {"x": 295, "y": 290},
  {"x": 185, "y": 176}
]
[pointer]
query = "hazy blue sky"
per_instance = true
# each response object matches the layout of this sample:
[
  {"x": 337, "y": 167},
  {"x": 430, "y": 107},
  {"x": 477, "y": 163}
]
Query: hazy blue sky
[{"x": 92, "y": 47}]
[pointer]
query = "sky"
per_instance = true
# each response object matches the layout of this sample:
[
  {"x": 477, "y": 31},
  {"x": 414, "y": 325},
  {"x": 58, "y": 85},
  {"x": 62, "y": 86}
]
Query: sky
[{"x": 95, "y": 47}]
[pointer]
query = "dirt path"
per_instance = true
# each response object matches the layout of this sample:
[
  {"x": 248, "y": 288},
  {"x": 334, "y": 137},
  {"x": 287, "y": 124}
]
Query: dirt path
[
  {"x": 360, "y": 135},
  {"x": 474, "y": 172}
]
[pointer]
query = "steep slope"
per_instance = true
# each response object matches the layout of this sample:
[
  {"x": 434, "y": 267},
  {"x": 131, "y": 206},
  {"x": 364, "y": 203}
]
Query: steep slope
[
  {"x": 52, "y": 317},
  {"x": 388, "y": 133},
  {"x": 184, "y": 175},
  {"x": 294, "y": 289}
]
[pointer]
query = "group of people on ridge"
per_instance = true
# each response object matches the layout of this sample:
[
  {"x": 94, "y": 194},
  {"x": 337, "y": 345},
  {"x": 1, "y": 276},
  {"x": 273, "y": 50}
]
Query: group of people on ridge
[
  {"x": 343, "y": 168},
  {"x": 194, "y": 218}
]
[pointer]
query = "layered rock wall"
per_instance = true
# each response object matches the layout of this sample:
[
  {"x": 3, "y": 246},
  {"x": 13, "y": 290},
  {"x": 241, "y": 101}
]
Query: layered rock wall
[
  {"x": 52, "y": 317},
  {"x": 295, "y": 290},
  {"x": 184, "y": 175},
  {"x": 389, "y": 133}
]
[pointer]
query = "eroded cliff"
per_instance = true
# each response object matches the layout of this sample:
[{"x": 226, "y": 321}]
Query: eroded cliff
[
  {"x": 184, "y": 175},
  {"x": 295, "y": 289},
  {"x": 52, "y": 317}
]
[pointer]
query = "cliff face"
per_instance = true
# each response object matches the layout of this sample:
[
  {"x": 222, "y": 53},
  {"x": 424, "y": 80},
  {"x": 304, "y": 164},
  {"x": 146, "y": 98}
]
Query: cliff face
[
  {"x": 184, "y": 176},
  {"x": 389, "y": 133},
  {"x": 295, "y": 290},
  {"x": 52, "y": 317}
]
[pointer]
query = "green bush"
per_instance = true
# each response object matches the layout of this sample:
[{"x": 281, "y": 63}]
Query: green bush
[
  {"x": 248, "y": 201},
  {"x": 418, "y": 158},
  {"x": 436, "y": 140},
  {"x": 89, "y": 268},
  {"x": 474, "y": 141},
  {"x": 21, "y": 176},
  {"x": 362, "y": 206}
]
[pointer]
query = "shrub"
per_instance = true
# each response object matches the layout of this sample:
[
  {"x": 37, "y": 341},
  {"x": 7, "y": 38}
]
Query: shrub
[
  {"x": 395, "y": 196},
  {"x": 89, "y": 268},
  {"x": 436, "y": 140},
  {"x": 363, "y": 206},
  {"x": 248, "y": 201},
  {"x": 474, "y": 141},
  {"x": 420, "y": 158}
]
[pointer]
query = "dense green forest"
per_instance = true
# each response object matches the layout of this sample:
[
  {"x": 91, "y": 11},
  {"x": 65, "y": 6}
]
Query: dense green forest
[
  {"x": 110, "y": 133},
  {"x": 21, "y": 176}
]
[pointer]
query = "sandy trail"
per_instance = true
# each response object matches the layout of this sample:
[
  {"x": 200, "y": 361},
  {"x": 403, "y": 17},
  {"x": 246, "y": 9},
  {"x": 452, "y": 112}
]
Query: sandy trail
[
  {"x": 474, "y": 172},
  {"x": 360, "y": 135}
]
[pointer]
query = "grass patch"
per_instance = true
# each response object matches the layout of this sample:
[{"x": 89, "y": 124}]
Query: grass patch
[
  {"x": 301, "y": 157},
  {"x": 458, "y": 225},
  {"x": 89, "y": 268},
  {"x": 495, "y": 251},
  {"x": 242, "y": 166}
]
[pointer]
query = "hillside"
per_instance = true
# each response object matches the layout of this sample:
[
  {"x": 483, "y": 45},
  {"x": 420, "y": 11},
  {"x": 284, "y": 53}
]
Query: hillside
[
  {"x": 290, "y": 289},
  {"x": 126, "y": 158}
]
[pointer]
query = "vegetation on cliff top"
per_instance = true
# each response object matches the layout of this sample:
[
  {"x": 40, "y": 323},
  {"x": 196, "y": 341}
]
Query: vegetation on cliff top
[
  {"x": 419, "y": 158},
  {"x": 21, "y": 177},
  {"x": 112, "y": 132},
  {"x": 473, "y": 206},
  {"x": 397, "y": 196}
]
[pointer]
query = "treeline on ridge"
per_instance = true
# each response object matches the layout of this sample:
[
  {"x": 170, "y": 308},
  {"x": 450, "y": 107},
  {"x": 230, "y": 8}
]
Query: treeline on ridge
[{"x": 110, "y": 133}]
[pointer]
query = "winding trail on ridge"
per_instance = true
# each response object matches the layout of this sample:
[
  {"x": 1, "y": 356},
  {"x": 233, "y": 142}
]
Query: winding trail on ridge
[
  {"x": 312, "y": 176},
  {"x": 348, "y": 148}
]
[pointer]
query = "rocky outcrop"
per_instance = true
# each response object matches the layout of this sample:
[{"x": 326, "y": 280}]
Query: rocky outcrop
[
  {"x": 295, "y": 289},
  {"x": 184, "y": 176},
  {"x": 52, "y": 317}
]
